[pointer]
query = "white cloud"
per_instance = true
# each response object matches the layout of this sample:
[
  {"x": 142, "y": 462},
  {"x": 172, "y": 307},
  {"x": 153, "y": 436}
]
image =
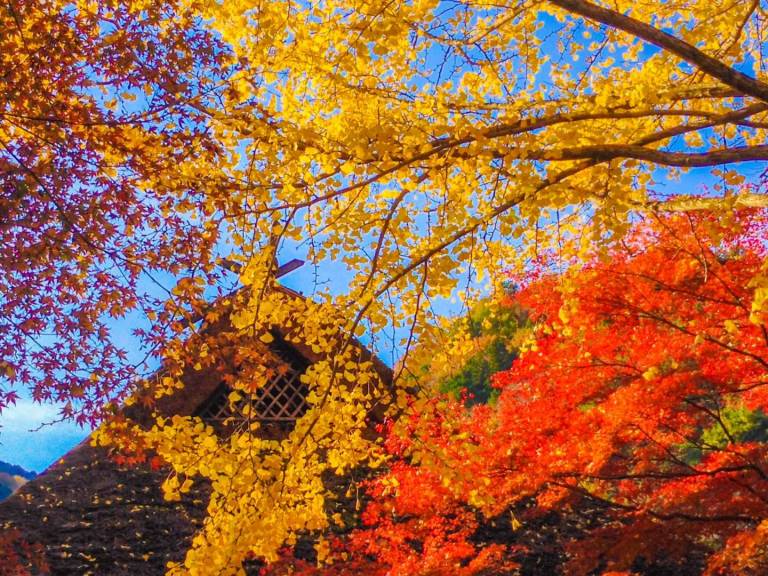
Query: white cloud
[
  {"x": 26, "y": 414},
  {"x": 24, "y": 442}
]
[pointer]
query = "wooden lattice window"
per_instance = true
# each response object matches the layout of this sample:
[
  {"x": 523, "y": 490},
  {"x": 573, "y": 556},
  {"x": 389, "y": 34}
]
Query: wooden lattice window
[{"x": 281, "y": 401}]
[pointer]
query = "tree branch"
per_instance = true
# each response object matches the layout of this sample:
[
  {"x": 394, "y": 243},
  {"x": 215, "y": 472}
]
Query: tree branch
[
  {"x": 712, "y": 66},
  {"x": 605, "y": 152}
]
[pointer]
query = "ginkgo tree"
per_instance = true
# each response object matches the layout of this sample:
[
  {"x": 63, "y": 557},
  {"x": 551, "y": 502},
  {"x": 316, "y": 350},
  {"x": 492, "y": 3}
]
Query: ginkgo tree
[{"x": 427, "y": 145}]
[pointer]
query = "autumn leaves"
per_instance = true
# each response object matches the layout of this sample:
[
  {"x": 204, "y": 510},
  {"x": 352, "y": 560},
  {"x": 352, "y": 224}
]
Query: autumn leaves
[{"x": 435, "y": 149}]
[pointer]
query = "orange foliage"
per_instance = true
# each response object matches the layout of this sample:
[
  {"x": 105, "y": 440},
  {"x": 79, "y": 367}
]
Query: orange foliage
[
  {"x": 642, "y": 391},
  {"x": 19, "y": 558}
]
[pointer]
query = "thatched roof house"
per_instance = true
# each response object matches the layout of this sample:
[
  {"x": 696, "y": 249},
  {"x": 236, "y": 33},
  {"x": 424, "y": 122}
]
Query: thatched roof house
[{"x": 93, "y": 516}]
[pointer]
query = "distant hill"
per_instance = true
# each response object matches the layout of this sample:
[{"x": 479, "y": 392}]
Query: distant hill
[{"x": 12, "y": 477}]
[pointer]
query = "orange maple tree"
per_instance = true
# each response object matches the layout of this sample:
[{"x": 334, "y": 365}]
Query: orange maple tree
[
  {"x": 641, "y": 393},
  {"x": 20, "y": 558}
]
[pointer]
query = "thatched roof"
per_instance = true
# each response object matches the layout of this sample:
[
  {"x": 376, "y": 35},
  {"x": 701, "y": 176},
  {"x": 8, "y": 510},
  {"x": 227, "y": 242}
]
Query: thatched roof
[{"x": 93, "y": 516}]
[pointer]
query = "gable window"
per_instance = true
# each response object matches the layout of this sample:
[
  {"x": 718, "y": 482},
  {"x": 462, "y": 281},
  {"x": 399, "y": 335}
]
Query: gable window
[{"x": 276, "y": 404}]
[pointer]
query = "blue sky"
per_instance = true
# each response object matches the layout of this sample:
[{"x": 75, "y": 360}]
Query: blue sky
[{"x": 35, "y": 450}]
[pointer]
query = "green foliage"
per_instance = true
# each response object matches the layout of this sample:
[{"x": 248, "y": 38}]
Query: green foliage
[
  {"x": 737, "y": 424},
  {"x": 493, "y": 327}
]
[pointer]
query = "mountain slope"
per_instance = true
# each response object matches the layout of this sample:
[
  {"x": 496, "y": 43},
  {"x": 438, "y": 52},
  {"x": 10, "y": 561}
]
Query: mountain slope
[{"x": 11, "y": 478}]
